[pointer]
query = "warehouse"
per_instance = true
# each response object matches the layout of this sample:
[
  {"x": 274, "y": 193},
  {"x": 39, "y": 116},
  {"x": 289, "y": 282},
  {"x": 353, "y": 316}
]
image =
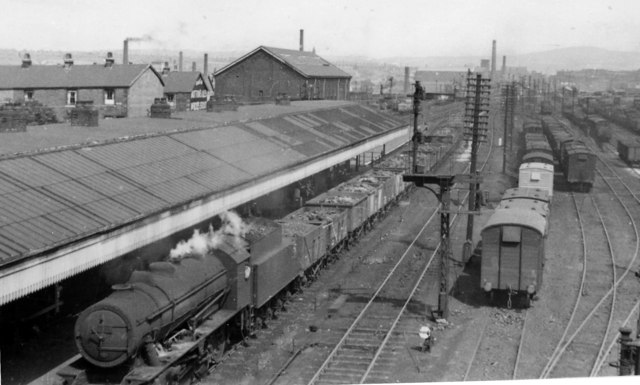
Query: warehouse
[
  {"x": 266, "y": 72},
  {"x": 115, "y": 90}
]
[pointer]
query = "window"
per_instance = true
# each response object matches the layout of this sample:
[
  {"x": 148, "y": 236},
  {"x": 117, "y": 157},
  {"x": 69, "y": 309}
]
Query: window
[
  {"x": 535, "y": 176},
  {"x": 170, "y": 98},
  {"x": 109, "y": 96},
  {"x": 72, "y": 97},
  {"x": 28, "y": 95}
]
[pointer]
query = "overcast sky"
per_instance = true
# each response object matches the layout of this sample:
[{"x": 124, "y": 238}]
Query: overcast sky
[{"x": 374, "y": 28}]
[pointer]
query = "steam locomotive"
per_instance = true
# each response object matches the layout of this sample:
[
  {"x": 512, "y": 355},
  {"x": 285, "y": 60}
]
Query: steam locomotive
[{"x": 170, "y": 323}]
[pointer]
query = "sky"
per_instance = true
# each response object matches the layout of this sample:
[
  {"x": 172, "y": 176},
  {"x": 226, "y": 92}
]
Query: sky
[{"x": 371, "y": 28}]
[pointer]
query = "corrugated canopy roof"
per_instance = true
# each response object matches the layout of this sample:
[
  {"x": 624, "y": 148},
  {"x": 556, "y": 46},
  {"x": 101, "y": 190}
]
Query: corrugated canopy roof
[
  {"x": 53, "y": 198},
  {"x": 77, "y": 76},
  {"x": 306, "y": 63}
]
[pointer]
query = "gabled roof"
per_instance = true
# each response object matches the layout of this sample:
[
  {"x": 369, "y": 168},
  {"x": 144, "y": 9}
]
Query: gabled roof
[
  {"x": 175, "y": 82},
  {"x": 307, "y": 64},
  {"x": 77, "y": 76}
]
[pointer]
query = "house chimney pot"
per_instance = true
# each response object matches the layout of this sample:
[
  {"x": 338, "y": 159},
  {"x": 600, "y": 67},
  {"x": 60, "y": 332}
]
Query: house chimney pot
[
  {"x": 26, "y": 61},
  {"x": 109, "y": 61},
  {"x": 68, "y": 60}
]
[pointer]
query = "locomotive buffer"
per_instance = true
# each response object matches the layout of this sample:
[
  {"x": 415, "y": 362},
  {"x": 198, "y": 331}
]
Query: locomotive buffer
[{"x": 445, "y": 183}]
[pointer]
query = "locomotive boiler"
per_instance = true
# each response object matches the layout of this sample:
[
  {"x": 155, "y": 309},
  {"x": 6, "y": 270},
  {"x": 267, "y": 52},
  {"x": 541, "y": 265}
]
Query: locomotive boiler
[{"x": 145, "y": 310}]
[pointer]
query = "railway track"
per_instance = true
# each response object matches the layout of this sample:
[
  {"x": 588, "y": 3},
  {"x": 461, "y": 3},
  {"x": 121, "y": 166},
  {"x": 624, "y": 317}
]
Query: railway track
[
  {"x": 364, "y": 354},
  {"x": 237, "y": 360},
  {"x": 606, "y": 298},
  {"x": 591, "y": 315}
]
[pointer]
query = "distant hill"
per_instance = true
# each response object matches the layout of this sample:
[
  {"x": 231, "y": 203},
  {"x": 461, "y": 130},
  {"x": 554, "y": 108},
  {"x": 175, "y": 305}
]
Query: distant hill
[{"x": 573, "y": 58}]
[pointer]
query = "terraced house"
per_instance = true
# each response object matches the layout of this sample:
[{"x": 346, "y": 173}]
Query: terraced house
[{"x": 116, "y": 90}]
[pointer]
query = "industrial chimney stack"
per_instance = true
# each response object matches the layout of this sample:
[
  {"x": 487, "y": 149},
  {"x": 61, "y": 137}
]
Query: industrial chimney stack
[
  {"x": 125, "y": 52},
  {"x": 493, "y": 58},
  {"x": 504, "y": 65},
  {"x": 180, "y": 62},
  {"x": 205, "y": 67},
  {"x": 406, "y": 80},
  {"x": 301, "y": 40}
]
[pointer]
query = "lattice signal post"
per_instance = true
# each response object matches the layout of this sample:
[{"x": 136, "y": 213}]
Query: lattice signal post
[
  {"x": 444, "y": 182},
  {"x": 476, "y": 121},
  {"x": 510, "y": 96}
]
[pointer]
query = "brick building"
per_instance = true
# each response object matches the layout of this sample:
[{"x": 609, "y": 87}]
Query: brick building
[
  {"x": 114, "y": 89},
  {"x": 267, "y": 72},
  {"x": 186, "y": 91}
]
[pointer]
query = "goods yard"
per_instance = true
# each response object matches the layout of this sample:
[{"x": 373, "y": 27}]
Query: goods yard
[{"x": 337, "y": 284}]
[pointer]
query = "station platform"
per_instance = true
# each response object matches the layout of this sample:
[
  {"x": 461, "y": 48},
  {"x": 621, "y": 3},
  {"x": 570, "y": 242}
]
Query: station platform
[{"x": 72, "y": 198}]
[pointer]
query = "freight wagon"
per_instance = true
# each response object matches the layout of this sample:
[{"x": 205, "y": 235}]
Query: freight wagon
[
  {"x": 513, "y": 245},
  {"x": 629, "y": 151}
]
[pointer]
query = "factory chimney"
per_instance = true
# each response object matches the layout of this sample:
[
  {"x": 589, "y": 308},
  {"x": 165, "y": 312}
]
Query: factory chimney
[
  {"x": 504, "y": 65},
  {"x": 205, "y": 67},
  {"x": 301, "y": 40},
  {"x": 125, "y": 52},
  {"x": 180, "y": 62},
  {"x": 193, "y": 66},
  {"x": 406, "y": 80},
  {"x": 493, "y": 58}
]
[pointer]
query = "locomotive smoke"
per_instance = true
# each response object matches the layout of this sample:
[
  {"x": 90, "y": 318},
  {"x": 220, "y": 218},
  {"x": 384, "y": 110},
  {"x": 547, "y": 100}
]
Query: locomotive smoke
[{"x": 201, "y": 244}]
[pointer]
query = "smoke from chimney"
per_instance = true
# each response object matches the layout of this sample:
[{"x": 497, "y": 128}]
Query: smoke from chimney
[
  {"x": 200, "y": 244},
  {"x": 301, "y": 40},
  {"x": 180, "y": 62},
  {"x": 493, "y": 57}
]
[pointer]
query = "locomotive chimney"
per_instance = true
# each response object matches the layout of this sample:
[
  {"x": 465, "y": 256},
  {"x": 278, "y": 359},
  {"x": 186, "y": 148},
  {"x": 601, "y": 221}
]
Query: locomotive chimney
[
  {"x": 180, "y": 62},
  {"x": 205, "y": 67},
  {"x": 493, "y": 58},
  {"x": 125, "y": 52},
  {"x": 301, "y": 40}
]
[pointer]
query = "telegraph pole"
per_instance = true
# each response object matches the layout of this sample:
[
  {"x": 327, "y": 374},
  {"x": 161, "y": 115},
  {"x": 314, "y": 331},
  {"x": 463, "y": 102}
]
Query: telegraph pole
[
  {"x": 445, "y": 183},
  {"x": 476, "y": 121}
]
